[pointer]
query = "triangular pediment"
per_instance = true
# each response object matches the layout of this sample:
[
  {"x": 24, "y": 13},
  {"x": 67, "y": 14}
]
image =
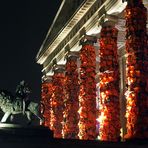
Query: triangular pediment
[{"x": 65, "y": 12}]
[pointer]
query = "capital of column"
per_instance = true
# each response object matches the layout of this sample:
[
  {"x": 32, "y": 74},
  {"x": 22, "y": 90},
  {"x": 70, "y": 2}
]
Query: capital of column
[
  {"x": 58, "y": 68},
  {"x": 72, "y": 55},
  {"x": 88, "y": 40},
  {"x": 46, "y": 79},
  {"x": 133, "y": 2},
  {"x": 108, "y": 20}
]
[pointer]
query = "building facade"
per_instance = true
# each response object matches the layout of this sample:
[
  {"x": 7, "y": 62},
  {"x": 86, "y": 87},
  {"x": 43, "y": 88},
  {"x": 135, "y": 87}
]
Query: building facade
[{"x": 86, "y": 78}]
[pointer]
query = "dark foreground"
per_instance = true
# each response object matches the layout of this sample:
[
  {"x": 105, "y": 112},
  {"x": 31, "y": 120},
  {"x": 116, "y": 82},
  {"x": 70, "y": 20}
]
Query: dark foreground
[{"x": 40, "y": 137}]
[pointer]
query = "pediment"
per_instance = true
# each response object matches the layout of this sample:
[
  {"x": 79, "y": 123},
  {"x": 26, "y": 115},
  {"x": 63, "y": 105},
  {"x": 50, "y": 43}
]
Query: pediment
[{"x": 66, "y": 11}]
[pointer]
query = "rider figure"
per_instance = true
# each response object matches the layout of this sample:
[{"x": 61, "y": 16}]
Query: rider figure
[{"x": 22, "y": 92}]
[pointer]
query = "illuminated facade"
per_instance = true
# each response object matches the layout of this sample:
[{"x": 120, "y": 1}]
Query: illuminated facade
[{"x": 97, "y": 36}]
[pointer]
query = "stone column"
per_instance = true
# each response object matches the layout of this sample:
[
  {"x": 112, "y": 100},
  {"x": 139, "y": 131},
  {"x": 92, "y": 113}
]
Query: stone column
[
  {"x": 87, "y": 97},
  {"x": 71, "y": 101},
  {"x": 45, "y": 101},
  {"x": 136, "y": 70},
  {"x": 109, "y": 107},
  {"x": 120, "y": 25},
  {"x": 57, "y": 100}
]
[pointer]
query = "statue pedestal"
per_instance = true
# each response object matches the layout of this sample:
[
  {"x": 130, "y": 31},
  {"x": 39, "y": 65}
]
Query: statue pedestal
[
  {"x": 19, "y": 136},
  {"x": 17, "y": 129}
]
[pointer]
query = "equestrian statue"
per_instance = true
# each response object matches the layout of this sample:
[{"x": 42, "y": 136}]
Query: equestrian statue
[{"x": 19, "y": 103}]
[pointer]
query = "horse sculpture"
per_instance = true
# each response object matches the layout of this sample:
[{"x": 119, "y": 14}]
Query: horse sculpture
[{"x": 12, "y": 106}]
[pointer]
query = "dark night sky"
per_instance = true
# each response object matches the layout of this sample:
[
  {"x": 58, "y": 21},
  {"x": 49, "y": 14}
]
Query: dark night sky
[{"x": 23, "y": 27}]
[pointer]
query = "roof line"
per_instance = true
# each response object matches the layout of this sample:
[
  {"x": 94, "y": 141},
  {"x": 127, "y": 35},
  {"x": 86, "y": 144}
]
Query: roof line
[
  {"x": 79, "y": 14},
  {"x": 59, "y": 10}
]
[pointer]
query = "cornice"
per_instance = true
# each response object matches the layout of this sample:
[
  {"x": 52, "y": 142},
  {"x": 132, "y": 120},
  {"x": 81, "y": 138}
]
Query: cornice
[
  {"x": 52, "y": 25},
  {"x": 77, "y": 16},
  {"x": 89, "y": 21}
]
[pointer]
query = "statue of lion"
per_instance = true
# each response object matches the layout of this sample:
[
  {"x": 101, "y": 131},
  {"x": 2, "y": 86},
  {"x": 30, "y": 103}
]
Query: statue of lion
[{"x": 12, "y": 105}]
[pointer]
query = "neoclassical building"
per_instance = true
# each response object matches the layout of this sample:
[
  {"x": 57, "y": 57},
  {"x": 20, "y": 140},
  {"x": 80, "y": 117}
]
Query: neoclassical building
[{"x": 95, "y": 63}]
